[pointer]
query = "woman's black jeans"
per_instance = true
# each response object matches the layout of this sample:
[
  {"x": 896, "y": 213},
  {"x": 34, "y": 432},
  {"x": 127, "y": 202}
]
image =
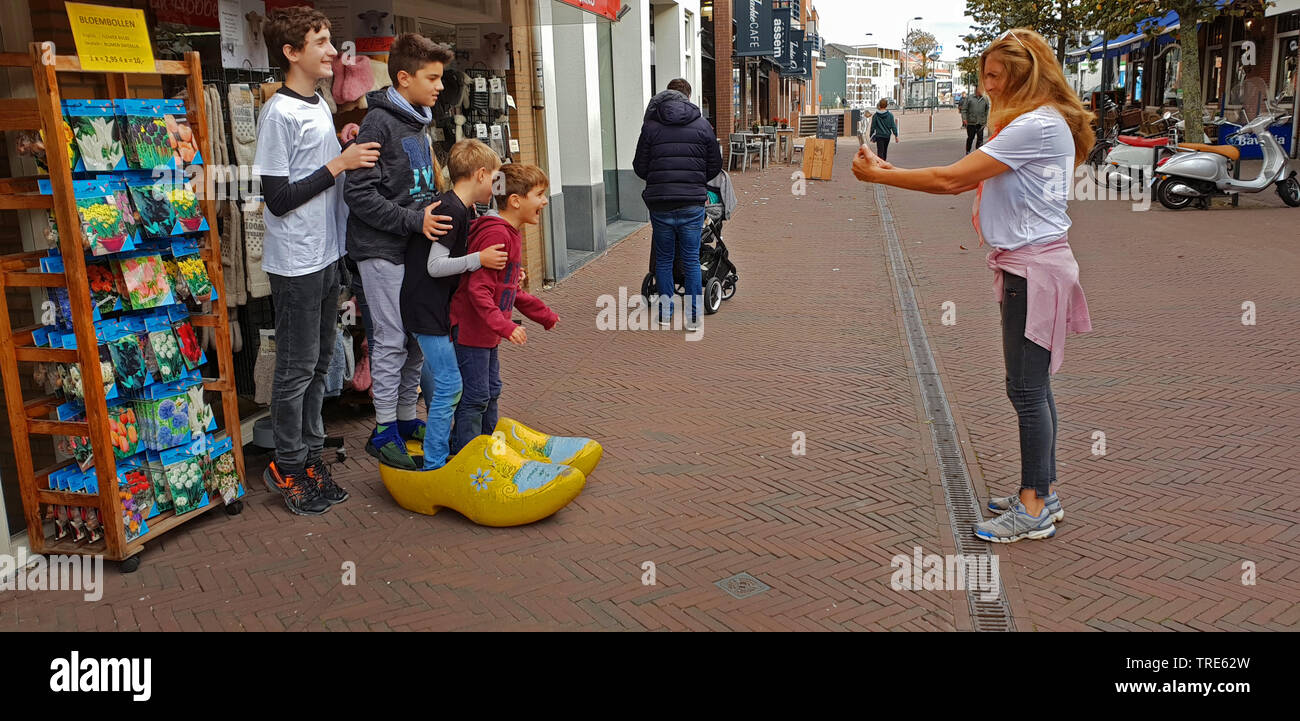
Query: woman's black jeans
[
  {"x": 882, "y": 147},
  {"x": 1029, "y": 388}
]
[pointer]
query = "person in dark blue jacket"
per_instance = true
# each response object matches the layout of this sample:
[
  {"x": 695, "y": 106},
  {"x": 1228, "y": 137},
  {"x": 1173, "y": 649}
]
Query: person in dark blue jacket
[{"x": 677, "y": 155}]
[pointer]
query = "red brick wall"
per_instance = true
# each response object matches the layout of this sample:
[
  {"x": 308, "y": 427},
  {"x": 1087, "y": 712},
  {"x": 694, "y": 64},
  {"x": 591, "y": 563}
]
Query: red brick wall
[{"x": 723, "y": 43}]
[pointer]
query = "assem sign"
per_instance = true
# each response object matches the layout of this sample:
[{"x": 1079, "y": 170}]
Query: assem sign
[{"x": 604, "y": 8}]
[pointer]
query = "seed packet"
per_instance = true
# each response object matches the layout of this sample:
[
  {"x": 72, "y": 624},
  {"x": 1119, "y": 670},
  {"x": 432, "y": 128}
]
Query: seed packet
[
  {"x": 46, "y": 377},
  {"x": 166, "y": 349},
  {"x": 185, "y": 477},
  {"x": 166, "y": 421},
  {"x": 76, "y": 524},
  {"x": 152, "y": 198},
  {"x": 133, "y": 523},
  {"x": 147, "y": 283},
  {"x": 61, "y": 322},
  {"x": 158, "y": 477},
  {"x": 76, "y": 446},
  {"x": 146, "y": 141},
  {"x": 72, "y": 382},
  {"x": 201, "y": 415},
  {"x": 94, "y": 529},
  {"x": 146, "y": 349},
  {"x": 185, "y": 144},
  {"x": 133, "y": 475},
  {"x": 191, "y": 351},
  {"x": 195, "y": 272},
  {"x": 130, "y": 218},
  {"x": 31, "y": 143},
  {"x": 185, "y": 203},
  {"x": 179, "y": 286},
  {"x": 128, "y": 363},
  {"x": 105, "y": 225},
  {"x": 95, "y": 128},
  {"x": 124, "y": 431},
  {"x": 103, "y": 294},
  {"x": 225, "y": 474}
]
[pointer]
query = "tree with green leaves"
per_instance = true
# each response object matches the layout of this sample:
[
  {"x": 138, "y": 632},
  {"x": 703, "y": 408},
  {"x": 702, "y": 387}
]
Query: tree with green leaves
[
  {"x": 1060, "y": 21},
  {"x": 1135, "y": 16},
  {"x": 923, "y": 45}
]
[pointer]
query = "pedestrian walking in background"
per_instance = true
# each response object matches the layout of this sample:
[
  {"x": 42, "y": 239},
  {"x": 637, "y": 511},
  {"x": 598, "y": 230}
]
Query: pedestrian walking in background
[
  {"x": 883, "y": 125},
  {"x": 974, "y": 116},
  {"x": 1041, "y": 132}
]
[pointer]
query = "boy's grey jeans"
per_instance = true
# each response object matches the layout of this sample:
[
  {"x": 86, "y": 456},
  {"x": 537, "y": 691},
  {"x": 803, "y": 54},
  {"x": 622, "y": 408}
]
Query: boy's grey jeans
[{"x": 306, "y": 313}]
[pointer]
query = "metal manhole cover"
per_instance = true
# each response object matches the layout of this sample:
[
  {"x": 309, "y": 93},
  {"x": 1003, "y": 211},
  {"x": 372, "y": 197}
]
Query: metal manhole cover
[{"x": 742, "y": 585}]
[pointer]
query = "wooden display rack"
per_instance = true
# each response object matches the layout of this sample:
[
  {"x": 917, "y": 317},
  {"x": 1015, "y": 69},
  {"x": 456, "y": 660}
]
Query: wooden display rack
[{"x": 30, "y": 417}]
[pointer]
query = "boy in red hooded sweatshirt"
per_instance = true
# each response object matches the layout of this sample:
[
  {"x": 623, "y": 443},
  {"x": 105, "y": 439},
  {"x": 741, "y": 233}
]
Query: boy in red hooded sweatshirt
[{"x": 482, "y": 306}]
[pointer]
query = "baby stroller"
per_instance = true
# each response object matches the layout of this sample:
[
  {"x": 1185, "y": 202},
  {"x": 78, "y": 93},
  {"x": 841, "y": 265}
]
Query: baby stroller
[{"x": 717, "y": 272}]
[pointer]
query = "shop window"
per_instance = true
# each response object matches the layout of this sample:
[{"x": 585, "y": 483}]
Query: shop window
[
  {"x": 1213, "y": 75},
  {"x": 1284, "y": 70},
  {"x": 1169, "y": 70}
]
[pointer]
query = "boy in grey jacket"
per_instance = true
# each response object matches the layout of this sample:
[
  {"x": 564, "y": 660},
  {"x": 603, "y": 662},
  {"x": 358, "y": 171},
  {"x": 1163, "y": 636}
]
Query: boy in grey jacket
[{"x": 388, "y": 204}]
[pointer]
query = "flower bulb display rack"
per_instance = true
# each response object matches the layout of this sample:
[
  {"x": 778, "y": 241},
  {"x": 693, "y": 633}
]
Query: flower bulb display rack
[{"x": 29, "y": 418}]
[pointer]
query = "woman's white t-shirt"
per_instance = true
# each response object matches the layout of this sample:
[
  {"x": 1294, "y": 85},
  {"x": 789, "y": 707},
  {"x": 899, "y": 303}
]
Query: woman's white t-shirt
[{"x": 1027, "y": 205}]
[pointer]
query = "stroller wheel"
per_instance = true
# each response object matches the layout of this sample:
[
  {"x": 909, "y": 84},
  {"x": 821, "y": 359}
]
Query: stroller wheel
[
  {"x": 712, "y": 296},
  {"x": 649, "y": 288},
  {"x": 728, "y": 289}
]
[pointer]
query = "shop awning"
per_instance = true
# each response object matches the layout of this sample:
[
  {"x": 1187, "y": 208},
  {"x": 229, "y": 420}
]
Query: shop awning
[{"x": 1135, "y": 41}]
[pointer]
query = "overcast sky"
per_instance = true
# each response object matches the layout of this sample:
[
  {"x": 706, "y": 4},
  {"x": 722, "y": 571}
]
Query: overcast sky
[{"x": 848, "y": 21}]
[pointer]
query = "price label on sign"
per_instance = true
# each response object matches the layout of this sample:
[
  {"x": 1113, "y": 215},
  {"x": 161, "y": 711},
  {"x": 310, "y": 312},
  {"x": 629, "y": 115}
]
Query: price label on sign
[{"x": 111, "y": 39}]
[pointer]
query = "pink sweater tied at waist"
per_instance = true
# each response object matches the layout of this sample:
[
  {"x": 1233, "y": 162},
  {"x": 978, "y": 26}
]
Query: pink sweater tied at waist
[{"x": 1057, "y": 307}]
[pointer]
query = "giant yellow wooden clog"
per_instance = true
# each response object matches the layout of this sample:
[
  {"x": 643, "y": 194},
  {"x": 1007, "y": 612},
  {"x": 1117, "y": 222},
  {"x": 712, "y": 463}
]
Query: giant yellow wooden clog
[
  {"x": 581, "y": 453},
  {"x": 489, "y": 483}
]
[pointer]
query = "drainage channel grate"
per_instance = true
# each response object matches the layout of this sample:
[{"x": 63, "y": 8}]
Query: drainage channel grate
[
  {"x": 742, "y": 585},
  {"x": 963, "y": 510}
]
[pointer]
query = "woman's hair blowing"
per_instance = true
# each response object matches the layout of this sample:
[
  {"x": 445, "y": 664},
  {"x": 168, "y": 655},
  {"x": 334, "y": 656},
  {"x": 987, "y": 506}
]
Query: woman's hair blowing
[{"x": 1033, "y": 78}]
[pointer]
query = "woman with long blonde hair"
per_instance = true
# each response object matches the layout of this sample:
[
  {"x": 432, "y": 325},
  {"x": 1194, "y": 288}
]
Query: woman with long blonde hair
[{"x": 1041, "y": 132}]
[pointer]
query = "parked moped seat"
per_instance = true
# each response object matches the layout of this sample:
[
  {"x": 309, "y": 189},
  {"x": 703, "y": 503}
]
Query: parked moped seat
[
  {"x": 1231, "y": 152},
  {"x": 1138, "y": 141}
]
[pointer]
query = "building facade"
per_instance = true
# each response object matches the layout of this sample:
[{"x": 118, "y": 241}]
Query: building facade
[
  {"x": 1246, "y": 62},
  {"x": 598, "y": 75}
]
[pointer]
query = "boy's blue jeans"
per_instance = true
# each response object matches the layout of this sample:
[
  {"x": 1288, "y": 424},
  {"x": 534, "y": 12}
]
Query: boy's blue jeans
[
  {"x": 476, "y": 414},
  {"x": 676, "y": 233},
  {"x": 440, "y": 379}
]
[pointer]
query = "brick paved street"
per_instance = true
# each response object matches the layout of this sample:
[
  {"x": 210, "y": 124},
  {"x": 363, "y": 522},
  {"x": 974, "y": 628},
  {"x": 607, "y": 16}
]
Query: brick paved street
[{"x": 1200, "y": 415}]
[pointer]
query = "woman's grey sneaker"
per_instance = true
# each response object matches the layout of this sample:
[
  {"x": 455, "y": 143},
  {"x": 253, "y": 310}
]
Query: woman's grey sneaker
[
  {"x": 1015, "y": 525},
  {"x": 1003, "y": 504}
]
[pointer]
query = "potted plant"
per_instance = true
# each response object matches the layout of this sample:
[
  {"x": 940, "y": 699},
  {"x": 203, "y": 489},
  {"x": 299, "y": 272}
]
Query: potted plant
[{"x": 754, "y": 128}]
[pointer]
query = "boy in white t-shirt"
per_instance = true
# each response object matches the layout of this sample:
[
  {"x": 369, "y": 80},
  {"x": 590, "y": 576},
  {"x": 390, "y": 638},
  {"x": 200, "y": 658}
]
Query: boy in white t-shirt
[{"x": 301, "y": 166}]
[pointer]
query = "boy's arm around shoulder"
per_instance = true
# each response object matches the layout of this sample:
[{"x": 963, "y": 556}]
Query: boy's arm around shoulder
[{"x": 361, "y": 191}]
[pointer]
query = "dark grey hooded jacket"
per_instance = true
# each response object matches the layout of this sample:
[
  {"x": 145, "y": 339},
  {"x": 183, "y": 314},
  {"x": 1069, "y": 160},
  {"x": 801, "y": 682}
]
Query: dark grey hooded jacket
[{"x": 677, "y": 154}]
